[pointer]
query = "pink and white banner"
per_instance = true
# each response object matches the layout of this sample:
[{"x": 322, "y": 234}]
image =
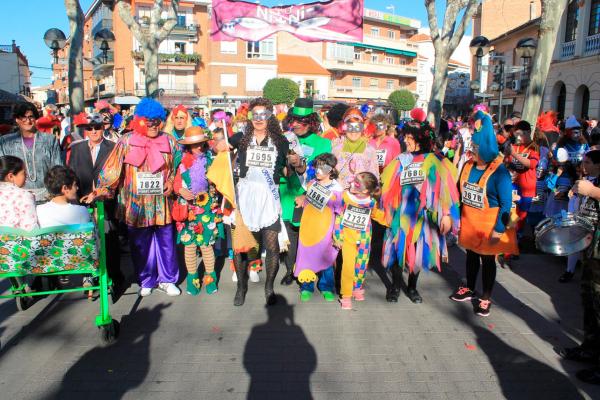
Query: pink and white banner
[{"x": 334, "y": 20}]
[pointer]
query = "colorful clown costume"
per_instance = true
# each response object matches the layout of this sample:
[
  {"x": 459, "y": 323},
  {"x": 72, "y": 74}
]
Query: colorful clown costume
[
  {"x": 353, "y": 232},
  {"x": 316, "y": 252},
  {"x": 418, "y": 190}
]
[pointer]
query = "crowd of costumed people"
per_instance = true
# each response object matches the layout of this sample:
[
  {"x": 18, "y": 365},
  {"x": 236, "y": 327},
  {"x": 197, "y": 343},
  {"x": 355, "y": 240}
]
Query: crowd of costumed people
[{"x": 329, "y": 192}]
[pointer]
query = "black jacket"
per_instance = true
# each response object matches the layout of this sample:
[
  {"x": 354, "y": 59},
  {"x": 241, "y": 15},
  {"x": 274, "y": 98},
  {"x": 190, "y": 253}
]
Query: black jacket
[{"x": 81, "y": 162}]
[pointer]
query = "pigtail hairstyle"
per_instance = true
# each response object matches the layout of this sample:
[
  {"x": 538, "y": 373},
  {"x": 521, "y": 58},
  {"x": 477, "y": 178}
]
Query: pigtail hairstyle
[{"x": 371, "y": 184}]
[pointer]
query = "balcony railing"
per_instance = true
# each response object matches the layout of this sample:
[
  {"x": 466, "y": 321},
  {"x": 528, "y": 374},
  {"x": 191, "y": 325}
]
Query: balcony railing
[
  {"x": 363, "y": 66},
  {"x": 169, "y": 90},
  {"x": 190, "y": 30},
  {"x": 592, "y": 45},
  {"x": 170, "y": 58},
  {"x": 567, "y": 50},
  {"x": 360, "y": 92}
]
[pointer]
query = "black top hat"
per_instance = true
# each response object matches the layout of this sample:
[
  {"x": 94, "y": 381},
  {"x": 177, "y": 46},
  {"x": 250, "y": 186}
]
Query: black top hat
[{"x": 303, "y": 107}]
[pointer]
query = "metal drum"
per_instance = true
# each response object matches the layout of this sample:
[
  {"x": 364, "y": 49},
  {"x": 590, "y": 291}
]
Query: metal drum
[{"x": 564, "y": 234}]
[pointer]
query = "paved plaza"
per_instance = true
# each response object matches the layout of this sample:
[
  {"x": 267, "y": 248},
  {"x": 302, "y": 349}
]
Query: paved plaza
[{"x": 204, "y": 348}]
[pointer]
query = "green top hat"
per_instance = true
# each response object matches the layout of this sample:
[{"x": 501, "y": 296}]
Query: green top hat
[{"x": 302, "y": 107}]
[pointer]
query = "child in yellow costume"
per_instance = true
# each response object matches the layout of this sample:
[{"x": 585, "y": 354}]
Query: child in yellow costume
[{"x": 353, "y": 235}]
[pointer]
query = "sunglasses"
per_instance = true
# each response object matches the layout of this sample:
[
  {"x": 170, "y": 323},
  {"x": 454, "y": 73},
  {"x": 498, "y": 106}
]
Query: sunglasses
[
  {"x": 28, "y": 117},
  {"x": 153, "y": 122},
  {"x": 302, "y": 121},
  {"x": 508, "y": 127},
  {"x": 94, "y": 128},
  {"x": 261, "y": 116},
  {"x": 354, "y": 127}
]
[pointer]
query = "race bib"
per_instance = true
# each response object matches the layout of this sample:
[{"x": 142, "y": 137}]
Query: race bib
[
  {"x": 472, "y": 195},
  {"x": 517, "y": 164},
  {"x": 356, "y": 218},
  {"x": 261, "y": 157},
  {"x": 381, "y": 157},
  {"x": 412, "y": 174},
  {"x": 575, "y": 156},
  {"x": 318, "y": 196},
  {"x": 149, "y": 184}
]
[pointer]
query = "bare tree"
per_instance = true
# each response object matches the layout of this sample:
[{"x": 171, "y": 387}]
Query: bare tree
[
  {"x": 552, "y": 11},
  {"x": 75, "y": 15},
  {"x": 444, "y": 44},
  {"x": 150, "y": 37}
]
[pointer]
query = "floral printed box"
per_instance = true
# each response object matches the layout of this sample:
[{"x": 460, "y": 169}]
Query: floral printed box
[{"x": 48, "y": 250}]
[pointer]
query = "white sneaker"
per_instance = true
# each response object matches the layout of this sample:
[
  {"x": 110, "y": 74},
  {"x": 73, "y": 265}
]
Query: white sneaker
[
  {"x": 169, "y": 288},
  {"x": 145, "y": 291},
  {"x": 254, "y": 277},
  {"x": 234, "y": 277}
]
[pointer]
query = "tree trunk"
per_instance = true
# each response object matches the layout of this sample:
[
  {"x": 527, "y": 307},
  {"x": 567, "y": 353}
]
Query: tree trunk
[
  {"x": 445, "y": 41},
  {"x": 438, "y": 89},
  {"x": 552, "y": 11},
  {"x": 151, "y": 68},
  {"x": 76, "y": 95},
  {"x": 151, "y": 36}
]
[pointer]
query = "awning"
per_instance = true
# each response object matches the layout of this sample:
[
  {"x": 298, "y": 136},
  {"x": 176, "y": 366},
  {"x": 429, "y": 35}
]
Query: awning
[
  {"x": 385, "y": 49},
  {"x": 124, "y": 100}
]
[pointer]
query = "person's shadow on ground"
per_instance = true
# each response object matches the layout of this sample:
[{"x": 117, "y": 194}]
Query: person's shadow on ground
[
  {"x": 118, "y": 368},
  {"x": 278, "y": 357}
]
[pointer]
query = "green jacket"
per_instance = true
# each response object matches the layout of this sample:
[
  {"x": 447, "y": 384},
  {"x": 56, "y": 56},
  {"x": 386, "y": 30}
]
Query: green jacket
[{"x": 290, "y": 187}]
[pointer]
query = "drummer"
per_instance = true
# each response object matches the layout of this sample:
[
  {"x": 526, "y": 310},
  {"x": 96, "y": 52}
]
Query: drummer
[
  {"x": 485, "y": 186},
  {"x": 589, "y": 350}
]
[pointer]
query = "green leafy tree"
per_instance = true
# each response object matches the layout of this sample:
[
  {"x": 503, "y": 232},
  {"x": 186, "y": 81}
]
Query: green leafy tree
[
  {"x": 402, "y": 100},
  {"x": 281, "y": 91}
]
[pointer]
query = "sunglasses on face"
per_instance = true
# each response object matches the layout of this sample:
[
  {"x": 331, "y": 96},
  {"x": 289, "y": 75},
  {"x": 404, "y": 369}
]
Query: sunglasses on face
[
  {"x": 153, "y": 122},
  {"x": 261, "y": 116},
  {"x": 303, "y": 121},
  {"x": 27, "y": 117},
  {"x": 354, "y": 127},
  {"x": 94, "y": 128},
  {"x": 508, "y": 127}
]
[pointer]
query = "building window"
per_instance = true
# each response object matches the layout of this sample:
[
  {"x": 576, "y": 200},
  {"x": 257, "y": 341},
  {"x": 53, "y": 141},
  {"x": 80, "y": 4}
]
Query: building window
[
  {"x": 179, "y": 48},
  {"x": 229, "y": 47},
  {"x": 389, "y": 84},
  {"x": 374, "y": 58},
  {"x": 356, "y": 82},
  {"x": 389, "y": 60},
  {"x": 340, "y": 52},
  {"x": 391, "y": 34},
  {"x": 572, "y": 17},
  {"x": 594, "y": 28},
  {"x": 264, "y": 49},
  {"x": 229, "y": 80},
  {"x": 357, "y": 56},
  {"x": 375, "y": 32},
  {"x": 402, "y": 61},
  {"x": 181, "y": 20},
  {"x": 374, "y": 83}
]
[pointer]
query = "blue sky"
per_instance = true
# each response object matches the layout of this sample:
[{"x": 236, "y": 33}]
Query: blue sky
[{"x": 29, "y": 19}]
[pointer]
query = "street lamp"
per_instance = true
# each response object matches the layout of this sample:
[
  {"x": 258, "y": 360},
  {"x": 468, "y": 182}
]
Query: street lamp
[
  {"x": 56, "y": 40},
  {"x": 480, "y": 47},
  {"x": 103, "y": 38},
  {"x": 526, "y": 48}
]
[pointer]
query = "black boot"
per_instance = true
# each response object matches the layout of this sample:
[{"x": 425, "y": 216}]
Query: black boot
[
  {"x": 241, "y": 270},
  {"x": 288, "y": 278},
  {"x": 411, "y": 291},
  {"x": 393, "y": 293}
]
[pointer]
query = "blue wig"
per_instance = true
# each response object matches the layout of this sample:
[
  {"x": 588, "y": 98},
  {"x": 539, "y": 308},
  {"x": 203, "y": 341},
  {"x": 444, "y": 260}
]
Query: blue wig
[
  {"x": 484, "y": 137},
  {"x": 364, "y": 109},
  {"x": 151, "y": 109},
  {"x": 199, "y": 121}
]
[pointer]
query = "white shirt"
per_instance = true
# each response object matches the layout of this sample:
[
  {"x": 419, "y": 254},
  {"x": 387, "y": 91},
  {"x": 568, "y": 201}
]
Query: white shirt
[{"x": 54, "y": 214}]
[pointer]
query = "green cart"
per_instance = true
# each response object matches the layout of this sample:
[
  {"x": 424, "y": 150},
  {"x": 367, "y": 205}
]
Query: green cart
[{"x": 65, "y": 250}]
